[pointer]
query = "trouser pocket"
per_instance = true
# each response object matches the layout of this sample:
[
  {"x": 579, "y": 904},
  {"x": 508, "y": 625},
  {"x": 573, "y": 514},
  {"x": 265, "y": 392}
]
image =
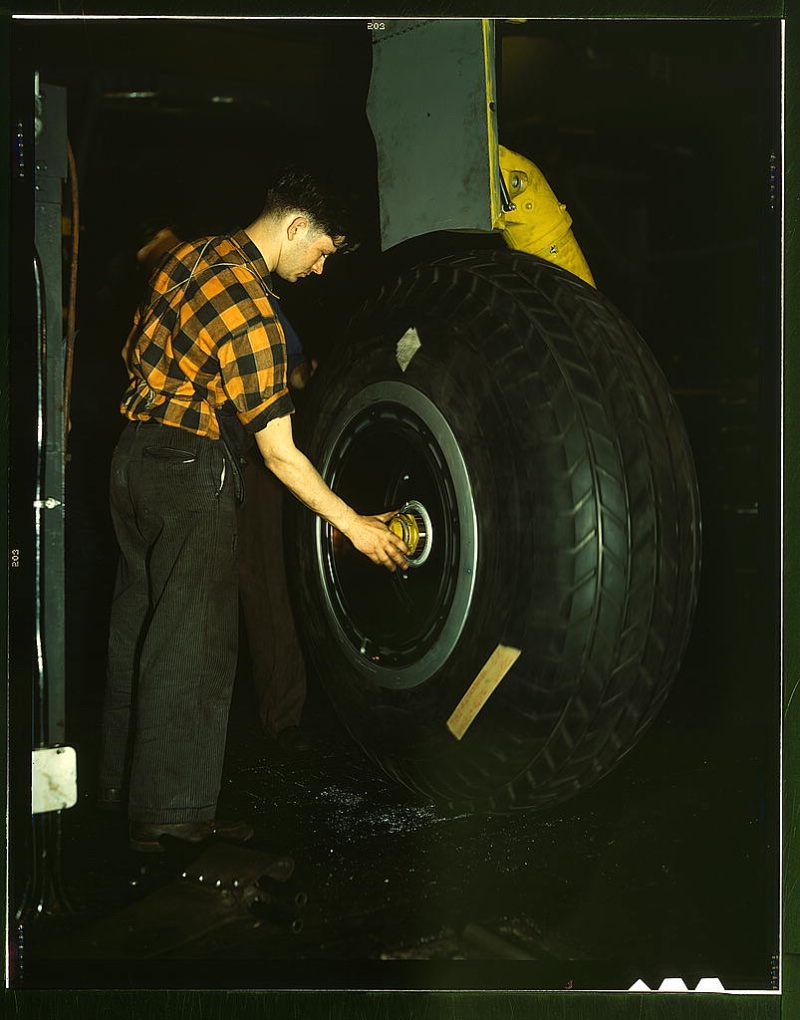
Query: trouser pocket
[
  {"x": 177, "y": 474},
  {"x": 169, "y": 453}
]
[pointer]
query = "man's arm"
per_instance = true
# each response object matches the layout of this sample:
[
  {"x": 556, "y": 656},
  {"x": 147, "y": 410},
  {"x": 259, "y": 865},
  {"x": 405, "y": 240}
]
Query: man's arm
[{"x": 368, "y": 534}]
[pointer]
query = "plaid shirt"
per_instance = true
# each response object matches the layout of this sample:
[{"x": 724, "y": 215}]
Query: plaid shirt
[{"x": 207, "y": 334}]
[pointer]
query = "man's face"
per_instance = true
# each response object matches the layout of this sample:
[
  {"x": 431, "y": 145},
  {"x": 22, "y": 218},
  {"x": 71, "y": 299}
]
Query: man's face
[{"x": 305, "y": 252}]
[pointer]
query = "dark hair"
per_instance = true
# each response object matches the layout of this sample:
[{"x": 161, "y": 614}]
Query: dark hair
[{"x": 295, "y": 189}]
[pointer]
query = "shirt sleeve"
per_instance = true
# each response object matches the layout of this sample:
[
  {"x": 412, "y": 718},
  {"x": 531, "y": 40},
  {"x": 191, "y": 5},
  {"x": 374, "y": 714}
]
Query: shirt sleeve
[{"x": 252, "y": 359}]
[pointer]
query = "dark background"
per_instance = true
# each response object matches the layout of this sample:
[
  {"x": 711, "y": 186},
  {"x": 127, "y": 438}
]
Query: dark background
[{"x": 660, "y": 138}]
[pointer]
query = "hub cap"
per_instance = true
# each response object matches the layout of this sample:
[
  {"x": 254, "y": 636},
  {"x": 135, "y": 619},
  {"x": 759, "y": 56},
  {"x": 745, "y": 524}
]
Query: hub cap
[{"x": 413, "y": 525}]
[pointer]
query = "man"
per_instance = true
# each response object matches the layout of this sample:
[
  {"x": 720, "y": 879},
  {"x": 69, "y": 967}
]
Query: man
[
  {"x": 276, "y": 659},
  {"x": 207, "y": 358}
]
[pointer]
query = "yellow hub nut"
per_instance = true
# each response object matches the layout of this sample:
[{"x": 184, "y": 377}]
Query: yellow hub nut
[
  {"x": 405, "y": 526},
  {"x": 412, "y": 523}
]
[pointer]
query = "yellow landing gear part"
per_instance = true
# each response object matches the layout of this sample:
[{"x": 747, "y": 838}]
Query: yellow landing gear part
[{"x": 539, "y": 224}]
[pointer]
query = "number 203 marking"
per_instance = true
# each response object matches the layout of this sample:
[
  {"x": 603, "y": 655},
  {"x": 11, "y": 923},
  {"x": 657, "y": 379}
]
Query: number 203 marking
[{"x": 376, "y": 26}]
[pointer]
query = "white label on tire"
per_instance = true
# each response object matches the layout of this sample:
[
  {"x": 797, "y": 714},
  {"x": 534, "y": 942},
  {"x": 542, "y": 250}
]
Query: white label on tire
[
  {"x": 407, "y": 346},
  {"x": 498, "y": 664}
]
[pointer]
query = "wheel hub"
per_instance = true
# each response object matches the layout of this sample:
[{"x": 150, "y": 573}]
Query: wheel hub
[{"x": 413, "y": 524}]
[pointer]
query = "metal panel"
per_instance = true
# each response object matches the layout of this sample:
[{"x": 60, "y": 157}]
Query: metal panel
[{"x": 431, "y": 109}]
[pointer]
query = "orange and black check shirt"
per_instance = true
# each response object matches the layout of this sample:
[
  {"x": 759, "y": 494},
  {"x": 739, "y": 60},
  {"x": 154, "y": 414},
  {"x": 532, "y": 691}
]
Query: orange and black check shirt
[{"x": 206, "y": 335}]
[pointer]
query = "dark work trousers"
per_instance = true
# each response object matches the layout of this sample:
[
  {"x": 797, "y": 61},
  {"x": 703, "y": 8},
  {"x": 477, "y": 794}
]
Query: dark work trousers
[
  {"x": 174, "y": 630},
  {"x": 279, "y": 673}
]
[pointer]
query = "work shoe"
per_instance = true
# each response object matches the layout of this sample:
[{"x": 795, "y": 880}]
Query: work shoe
[
  {"x": 145, "y": 836},
  {"x": 292, "y": 744}
]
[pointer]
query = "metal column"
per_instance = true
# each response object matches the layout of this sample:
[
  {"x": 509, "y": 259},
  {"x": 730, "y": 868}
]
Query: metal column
[
  {"x": 53, "y": 773},
  {"x": 51, "y": 172}
]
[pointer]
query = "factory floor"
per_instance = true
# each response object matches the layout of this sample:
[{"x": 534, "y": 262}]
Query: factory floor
[{"x": 667, "y": 868}]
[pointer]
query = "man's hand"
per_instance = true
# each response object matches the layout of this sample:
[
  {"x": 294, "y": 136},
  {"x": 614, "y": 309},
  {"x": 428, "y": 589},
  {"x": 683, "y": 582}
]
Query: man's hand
[
  {"x": 372, "y": 538},
  {"x": 301, "y": 374}
]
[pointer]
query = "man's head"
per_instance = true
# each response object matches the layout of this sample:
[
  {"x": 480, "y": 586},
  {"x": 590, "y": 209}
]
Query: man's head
[{"x": 301, "y": 224}]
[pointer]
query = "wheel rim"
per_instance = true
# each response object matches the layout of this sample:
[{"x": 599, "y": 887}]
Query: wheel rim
[{"x": 390, "y": 448}]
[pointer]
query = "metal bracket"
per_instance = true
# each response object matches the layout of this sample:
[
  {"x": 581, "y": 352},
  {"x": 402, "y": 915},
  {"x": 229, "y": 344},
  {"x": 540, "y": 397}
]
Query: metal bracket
[{"x": 505, "y": 198}]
